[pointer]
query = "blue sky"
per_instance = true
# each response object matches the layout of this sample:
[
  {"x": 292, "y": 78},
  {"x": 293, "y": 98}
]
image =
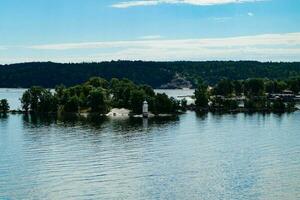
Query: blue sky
[{"x": 97, "y": 30}]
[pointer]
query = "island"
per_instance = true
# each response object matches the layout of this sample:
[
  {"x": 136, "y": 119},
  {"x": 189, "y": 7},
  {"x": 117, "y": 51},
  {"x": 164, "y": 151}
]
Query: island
[{"x": 122, "y": 97}]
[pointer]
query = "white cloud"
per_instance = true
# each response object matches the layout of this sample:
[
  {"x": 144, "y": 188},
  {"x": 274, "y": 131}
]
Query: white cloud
[
  {"x": 287, "y": 39},
  {"x": 221, "y": 19},
  {"x": 150, "y": 37},
  {"x": 250, "y": 14},
  {"x": 127, "y": 4},
  {"x": 274, "y": 47}
]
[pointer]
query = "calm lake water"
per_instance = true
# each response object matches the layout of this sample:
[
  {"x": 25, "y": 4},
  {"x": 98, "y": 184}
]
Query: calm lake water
[{"x": 186, "y": 157}]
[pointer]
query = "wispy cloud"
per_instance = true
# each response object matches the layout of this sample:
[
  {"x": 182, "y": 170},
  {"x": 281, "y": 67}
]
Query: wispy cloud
[
  {"x": 221, "y": 19},
  {"x": 275, "y": 47},
  {"x": 127, "y": 4},
  {"x": 287, "y": 39},
  {"x": 150, "y": 37},
  {"x": 250, "y": 14}
]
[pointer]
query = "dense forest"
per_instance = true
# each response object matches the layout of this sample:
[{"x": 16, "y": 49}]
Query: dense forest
[{"x": 156, "y": 74}]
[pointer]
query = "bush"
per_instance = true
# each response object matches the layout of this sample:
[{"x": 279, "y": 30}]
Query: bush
[
  {"x": 72, "y": 105},
  {"x": 201, "y": 96},
  {"x": 97, "y": 101},
  {"x": 278, "y": 106},
  {"x": 4, "y": 106}
]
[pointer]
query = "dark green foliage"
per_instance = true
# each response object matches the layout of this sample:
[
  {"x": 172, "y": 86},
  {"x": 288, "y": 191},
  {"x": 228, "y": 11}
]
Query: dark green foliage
[
  {"x": 98, "y": 82},
  {"x": 164, "y": 104},
  {"x": 72, "y": 105},
  {"x": 254, "y": 87},
  {"x": 176, "y": 105},
  {"x": 201, "y": 96},
  {"x": 148, "y": 90},
  {"x": 294, "y": 84},
  {"x": 256, "y": 104},
  {"x": 97, "y": 101},
  {"x": 26, "y": 100},
  {"x": 238, "y": 87},
  {"x": 259, "y": 95},
  {"x": 38, "y": 99},
  {"x": 121, "y": 92},
  {"x": 155, "y": 74},
  {"x": 223, "y": 104},
  {"x": 278, "y": 106},
  {"x": 225, "y": 88},
  {"x": 48, "y": 74},
  {"x": 4, "y": 106},
  {"x": 97, "y": 95},
  {"x": 47, "y": 102},
  {"x": 125, "y": 94},
  {"x": 137, "y": 97},
  {"x": 290, "y": 106},
  {"x": 183, "y": 104},
  {"x": 275, "y": 86}
]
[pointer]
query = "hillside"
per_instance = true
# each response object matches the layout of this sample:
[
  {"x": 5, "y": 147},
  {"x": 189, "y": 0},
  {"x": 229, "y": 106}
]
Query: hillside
[{"x": 156, "y": 74}]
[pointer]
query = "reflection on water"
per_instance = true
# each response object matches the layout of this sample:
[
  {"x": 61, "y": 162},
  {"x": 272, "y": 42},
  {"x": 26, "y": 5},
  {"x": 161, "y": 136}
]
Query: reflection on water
[{"x": 191, "y": 156}]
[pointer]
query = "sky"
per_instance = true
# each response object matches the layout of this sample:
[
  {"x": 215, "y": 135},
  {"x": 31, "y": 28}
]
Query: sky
[{"x": 158, "y": 30}]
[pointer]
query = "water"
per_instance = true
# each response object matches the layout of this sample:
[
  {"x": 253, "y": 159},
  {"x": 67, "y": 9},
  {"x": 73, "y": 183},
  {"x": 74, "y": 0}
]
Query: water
[
  {"x": 186, "y": 157},
  {"x": 13, "y": 96}
]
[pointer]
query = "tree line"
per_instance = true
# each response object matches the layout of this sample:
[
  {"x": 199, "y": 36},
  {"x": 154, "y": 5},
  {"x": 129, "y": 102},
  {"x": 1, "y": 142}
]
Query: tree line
[
  {"x": 255, "y": 94},
  {"x": 97, "y": 95},
  {"x": 155, "y": 74},
  {"x": 4, "y": 106}
]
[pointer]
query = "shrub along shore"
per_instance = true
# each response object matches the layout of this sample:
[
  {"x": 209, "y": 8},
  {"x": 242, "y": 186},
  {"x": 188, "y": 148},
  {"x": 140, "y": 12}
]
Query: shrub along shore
[
  {"x": 251, "y": 95},
  {"x": 100, "y": 96}
]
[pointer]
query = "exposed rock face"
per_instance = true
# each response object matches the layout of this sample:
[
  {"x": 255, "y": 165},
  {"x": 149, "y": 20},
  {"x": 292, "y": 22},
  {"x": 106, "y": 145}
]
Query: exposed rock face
[{"x": 178, "y": 82}]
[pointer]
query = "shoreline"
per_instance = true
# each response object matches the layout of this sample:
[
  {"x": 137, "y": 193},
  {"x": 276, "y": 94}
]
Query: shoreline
[{"x": 151, "y": 115}]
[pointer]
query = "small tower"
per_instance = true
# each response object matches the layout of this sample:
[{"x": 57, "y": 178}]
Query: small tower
[{"x": 145, "y": 109}]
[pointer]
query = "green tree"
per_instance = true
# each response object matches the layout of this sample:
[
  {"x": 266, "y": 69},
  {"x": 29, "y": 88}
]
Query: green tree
[
  {"x": 294, "y": 84},
  {"x": 280, "y": 86},
  {"x": 225, "y": 88},
  {"x": 254, "y": 87},
  {"x": 38, "y": 99},
  {"x": 59, "y": 92},
  {"x": 47, "y": 102},
  {"x": 35, "y": 93},
  {"x": 183, "y": 104},
  {"x": 278, "y": 105},
  {"x": 72, "y": 104},
  {"x": 98, "y": 82},
  {"x": 238, "y": 87},
  {"x": 163, "y": 104},
  {"x": 148, "y": 90},
  {"x": 4, "y": 106},
  {"x": 26, "y": 100},
  {"x": 269, "y": 86},
  {"x": 121, "y": 92},
  {"x": 257, "y": 103},
  {"x": 201, "y": 96},
  {"x": 97, "y": 101},
  {"x": 137, "y": 97}
]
